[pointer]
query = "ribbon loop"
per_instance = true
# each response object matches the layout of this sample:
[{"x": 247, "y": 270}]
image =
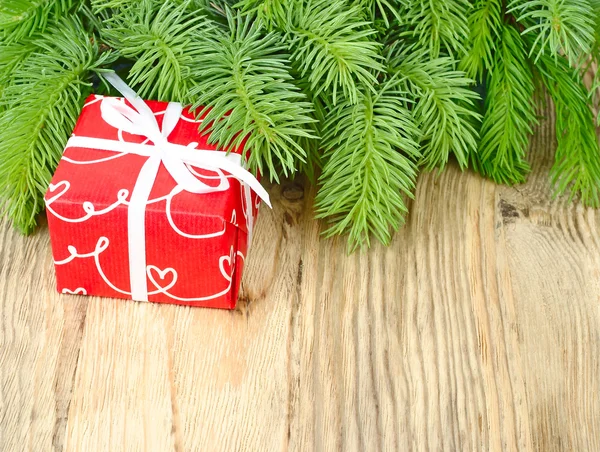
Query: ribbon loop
[
  {"x": 140, "y": 120},
  {"x": 121, "y": 116}
]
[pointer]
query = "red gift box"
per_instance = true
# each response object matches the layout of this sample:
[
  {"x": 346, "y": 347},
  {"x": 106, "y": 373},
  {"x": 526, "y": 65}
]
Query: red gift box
[{"x": 170, "y": 245}]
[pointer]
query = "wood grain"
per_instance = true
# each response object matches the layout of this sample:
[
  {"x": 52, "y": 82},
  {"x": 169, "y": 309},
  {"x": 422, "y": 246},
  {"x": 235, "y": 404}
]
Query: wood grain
[{"x": 477, "y": 329}]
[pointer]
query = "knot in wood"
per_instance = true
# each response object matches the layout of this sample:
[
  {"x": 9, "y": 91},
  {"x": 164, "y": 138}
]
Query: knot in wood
[{"x": 293, "y": 192}]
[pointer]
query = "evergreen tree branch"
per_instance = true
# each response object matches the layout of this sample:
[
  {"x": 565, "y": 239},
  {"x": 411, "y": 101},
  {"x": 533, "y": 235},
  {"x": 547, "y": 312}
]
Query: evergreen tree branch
[
  {"x": 12, "y": 56},
  {"x": 164, "y": 40},
  {"x": 436, "y": 26},
  {"x": 485, "y": 25},
  {"x": 23, "y": 18},
  {"x": 509, "y": 113},
  {"x": 41, "y": 105},
  {"x": 444, "y": 106},
  {"x": 387, "y": 10},
  {"x": 272, "y": 13},
  {"x": 577, "y": 160},
  {"x": 246, "y": 91},
  {"x": 370, "y": 162},
  {"x": 559, "y": 26},
  {"x": 312, "y": 144},
  {"x": 330, "y": 45},
  {"x": 594, "y": 60}
]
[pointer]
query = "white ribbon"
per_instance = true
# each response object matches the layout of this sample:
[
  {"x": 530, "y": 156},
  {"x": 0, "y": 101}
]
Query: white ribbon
[{"x": 140, "y": 120}]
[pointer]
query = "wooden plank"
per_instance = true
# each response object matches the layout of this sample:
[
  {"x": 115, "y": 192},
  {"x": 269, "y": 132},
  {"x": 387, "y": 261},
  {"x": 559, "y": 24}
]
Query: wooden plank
[
  {"x": 477, "y": 329},
  {"x": 553, "y": 252},
  {"x": 40, "y": 333}
]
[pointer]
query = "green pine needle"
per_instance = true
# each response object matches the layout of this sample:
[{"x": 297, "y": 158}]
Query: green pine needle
[
  {"x": 386, "y": 83},
  {"x": 23, "y": 18},
  {"x": 443, "y": 108},
  {"x": 577, "y": 159},
  {"x": 12, "y": 56},
  {"x": 485, "y": 25},
  {"x": 164, "y": 40},
  {"x": 558, "y": 26},
  {"x": 370, "y": 162},
  {"x": 595, "y": 58},
  {"x": 509, "y": 113},
  {"x": 272, "y": 13},
  {"x": 330, "y": 42},
  {"x": 437, "y": 26},
  {"x": 312, "y": 145},
  {"x": 331, "y": 46},
  {"x": 40, "y": 110},
  {"x": 243, "y": 81},
  {"x": 387, "y": 10}
]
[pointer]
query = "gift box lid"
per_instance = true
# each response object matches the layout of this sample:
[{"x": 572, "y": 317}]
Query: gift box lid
[{"x": 99, "y": 180}]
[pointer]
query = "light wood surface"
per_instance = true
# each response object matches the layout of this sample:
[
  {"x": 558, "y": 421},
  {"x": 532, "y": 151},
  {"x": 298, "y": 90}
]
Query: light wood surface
[{"x": 477, "y": 329}]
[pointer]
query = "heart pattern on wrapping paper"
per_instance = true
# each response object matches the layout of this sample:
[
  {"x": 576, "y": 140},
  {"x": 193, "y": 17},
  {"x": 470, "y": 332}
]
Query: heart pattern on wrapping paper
[
  {"x": 65, "y": 185},
  {"x": 53, "y": 187},
  {"x": 230, "y": 264},
  {"x": 163, "y": 276}
]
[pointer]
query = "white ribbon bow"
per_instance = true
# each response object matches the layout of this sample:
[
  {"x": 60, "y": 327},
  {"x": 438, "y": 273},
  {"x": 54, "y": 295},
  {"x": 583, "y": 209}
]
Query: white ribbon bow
[{"x": 140, "y": 120}]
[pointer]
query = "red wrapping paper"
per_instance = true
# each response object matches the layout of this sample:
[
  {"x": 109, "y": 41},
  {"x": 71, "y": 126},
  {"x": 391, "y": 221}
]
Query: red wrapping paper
[{"x": 195, "y": 243}]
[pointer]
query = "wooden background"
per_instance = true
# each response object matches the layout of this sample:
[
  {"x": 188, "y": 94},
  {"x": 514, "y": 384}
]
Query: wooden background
[{"x": 478, "y": 329}]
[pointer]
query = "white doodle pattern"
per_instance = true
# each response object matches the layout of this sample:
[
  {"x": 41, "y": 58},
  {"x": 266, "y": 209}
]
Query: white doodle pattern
[
  {"x": 78, "y": 291},
  {"x": 103, "y": 244}
]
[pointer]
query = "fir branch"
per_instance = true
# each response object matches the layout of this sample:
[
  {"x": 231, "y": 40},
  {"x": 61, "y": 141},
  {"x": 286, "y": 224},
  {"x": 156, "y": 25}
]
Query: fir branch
[
  {"x": 202, "y": 7},
  {"x": 595, "y": 6},
  {"x": 23, "y": 18},
  {"x": 312, "y": 144},
  {"x": 509, "y": 113},
  {"x": 246, "y": 91},
  {"x": 331, "y": 46},
  {"x": 437, "y": 26},
  {"x": 444, "y": 106},
  {"x": 41, "y": 105},
  {"x": 12, "y": 56},
  {"x": 114, "y": 6},
  {"x": 370, "y": 162},
  {"x": 272, "y": 13},
  {"x": 485, "y": 25},
  {"x": 594, "y": 60},
  {"x": 387, "y": 10},
  {"x": 215, "y": 9},
  {"x": 577, "y": 159},
  {"x": 164, "y": 39},
  {"x": 559, "y": 26}
]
